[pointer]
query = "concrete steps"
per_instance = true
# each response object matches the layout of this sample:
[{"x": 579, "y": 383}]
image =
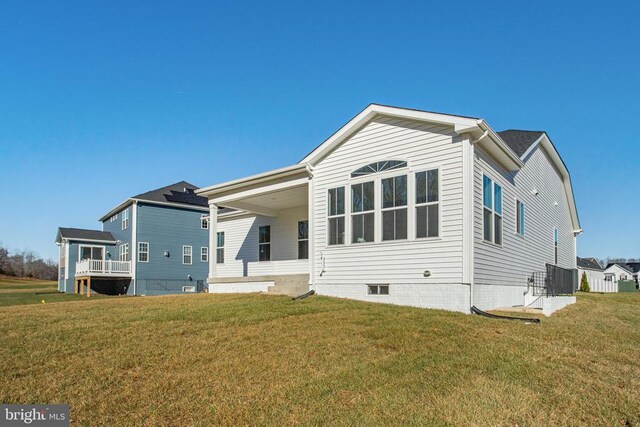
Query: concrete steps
[{"x": 291, "y": 285}]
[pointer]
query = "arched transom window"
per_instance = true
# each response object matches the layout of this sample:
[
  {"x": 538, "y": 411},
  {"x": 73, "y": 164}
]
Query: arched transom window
[{"x": 376, "y": 167}]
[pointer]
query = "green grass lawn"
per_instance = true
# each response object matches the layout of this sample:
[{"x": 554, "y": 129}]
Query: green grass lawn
[
  {"x": 18, "y": 291},
  {"x": 266, "y": 360}
]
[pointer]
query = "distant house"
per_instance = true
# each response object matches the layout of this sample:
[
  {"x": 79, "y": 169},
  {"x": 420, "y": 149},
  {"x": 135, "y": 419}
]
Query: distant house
[
  {"x": 405, "y": 207},
  {"x": 622, "y": 271},
  {"x": 152, "y": 243},
  {"x": 591, "y": 267}
]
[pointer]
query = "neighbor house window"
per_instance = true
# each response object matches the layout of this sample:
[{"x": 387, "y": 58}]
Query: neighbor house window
[
  {"x": 394, "y": 208},
  {"x": 303, "y": 239},
  {"x": 427, "y": 204},
  {"x": 123, "y": 252},
  {"x": 378, "y": 289},
  {"x": 204, "y": 223},
  {"x": 91, "y": 252},
  {"x": 125, "y": 219},
  {"x": 492, "y": 201},
  {"x": 264, "y": 243},
  {"x": 220, "y": 248},
  {"x": 335, "y": 212},
  {"x": 187, "y": 255},
  {"x": 143, "y": 252},
  {"x": 519, "y": 217},
  {"x": 113, "y": 218},
  {"x": 555, "y": 245},
  {"x": 204, "y": 254},
  {"x": 362, "y": 212}
]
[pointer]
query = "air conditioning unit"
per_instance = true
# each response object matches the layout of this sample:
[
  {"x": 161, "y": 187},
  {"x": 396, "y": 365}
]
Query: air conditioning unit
[{"x": 188, "y": 289}]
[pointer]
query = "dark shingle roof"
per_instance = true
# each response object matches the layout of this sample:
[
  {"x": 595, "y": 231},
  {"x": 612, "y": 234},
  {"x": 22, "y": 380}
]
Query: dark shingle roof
[
  {"x": 175, "y": 193},
  {"x": 84, "y": 234},
  {"x": 590, "y": 263},
  {"x": 520, "y": 140},
  {"x": 632, "y": 267}
]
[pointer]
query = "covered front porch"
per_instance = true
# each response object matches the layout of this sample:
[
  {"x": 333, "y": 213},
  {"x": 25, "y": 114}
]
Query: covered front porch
[{"x": 260, "y": 235}]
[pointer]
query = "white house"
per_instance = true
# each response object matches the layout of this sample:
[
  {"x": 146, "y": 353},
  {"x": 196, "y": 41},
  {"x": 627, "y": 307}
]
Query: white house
[
  {"x": 404, "y": 207},
  {"x": 616, "y": 272},
  {"x": 595, "y": 275}
]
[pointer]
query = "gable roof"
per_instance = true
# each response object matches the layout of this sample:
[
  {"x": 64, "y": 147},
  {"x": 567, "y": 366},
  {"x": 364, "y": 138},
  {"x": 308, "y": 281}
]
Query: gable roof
[
  {"x": 631, "y": 267},
  {"x": 620, "y": 265},
  {"x": 179, "y": 194},
  {"x": 83, "y": 234},
  {"x": 589, "y": 264},
  {"x": 478, "y": 129},
  {"x": 520, "y": 140}
]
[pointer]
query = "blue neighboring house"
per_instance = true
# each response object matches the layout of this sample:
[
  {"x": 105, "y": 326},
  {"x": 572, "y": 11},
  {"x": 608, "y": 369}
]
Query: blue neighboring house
[{"x": 153, "y": 243}]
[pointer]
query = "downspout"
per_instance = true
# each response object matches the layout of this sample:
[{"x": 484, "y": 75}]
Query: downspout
[
  {"x": 311, "y": 227},
  {"x": 134, "y": 246}
]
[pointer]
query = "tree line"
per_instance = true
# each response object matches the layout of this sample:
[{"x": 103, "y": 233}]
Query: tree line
[{"x": 26, "y": 264}]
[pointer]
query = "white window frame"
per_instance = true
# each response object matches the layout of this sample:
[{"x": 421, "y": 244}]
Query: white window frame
[
  {"x": 185, "y": 254},
  {"x": 123, "y": 252},
  {"x": 91, "y": 246},
  {"x": 302, "y": 240},
  {"x": 204, "y": 223},
  {"x": 353, "y": 214},
  {"x": 113, "y": 218},
  {"x": 406, "y": 206},
  {"x": 204, "y": 254},
  {"x": 141, "y": 251},
  {"x": 343, "y": 215},
  {"x": 417, "y": 205},
  {"x": 520, "y": 218},
  {"x": 125, "y": 219},
  {"x": 220, "y": 249},
  {"x": 267, "y": 243},
  {"x": 493, "y": 212},
  {"x": 377, "y": 287}
]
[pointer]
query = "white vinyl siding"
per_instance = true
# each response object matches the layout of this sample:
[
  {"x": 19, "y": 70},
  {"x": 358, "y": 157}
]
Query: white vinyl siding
[
  {"x": 423, "y": 146},
  {"x": 241, "y": 241},
  {"x": 518, "y": 258}
]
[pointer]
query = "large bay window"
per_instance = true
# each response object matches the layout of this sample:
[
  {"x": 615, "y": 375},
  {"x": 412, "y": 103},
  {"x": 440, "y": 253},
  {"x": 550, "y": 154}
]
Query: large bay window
[
  {"x": 336, "y": 216},
  {"x": 427, "y": 204},
  {"x": 492, "y": 211},
  {"x": 362, "y": 212},
  {"x": 394, "y": 208}
]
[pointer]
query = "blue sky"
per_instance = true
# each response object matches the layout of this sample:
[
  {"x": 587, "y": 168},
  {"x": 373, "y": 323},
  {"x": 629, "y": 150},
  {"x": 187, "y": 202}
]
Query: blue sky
[{"x": 103, "y": 100}]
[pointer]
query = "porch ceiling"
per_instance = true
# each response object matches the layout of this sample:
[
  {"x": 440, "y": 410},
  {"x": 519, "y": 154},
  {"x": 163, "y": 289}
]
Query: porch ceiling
[{"x": 270, "y": 203}]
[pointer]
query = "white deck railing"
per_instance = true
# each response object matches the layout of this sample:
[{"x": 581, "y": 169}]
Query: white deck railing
[
  {"x": 88, "y": 267},
  {"x": 265, "y": 268}
]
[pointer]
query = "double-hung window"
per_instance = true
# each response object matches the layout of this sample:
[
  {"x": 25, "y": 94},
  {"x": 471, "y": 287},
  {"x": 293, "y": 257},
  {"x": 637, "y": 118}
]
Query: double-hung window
[
  {"x": 264, "y": 243},
  {"x": 187, "y": 255},
  {"x": 204, "y": 223},
  {"x": 143, "y": 252},
  {"x": 362, "y": 212},
  {"x": 492, "y": 212},
  {"x": 394, "y": 208},
  {"x": 123, "y": 252},
  {"x": 204, "y": 254},
  {"x": 125, "y": 219},
  {"x": 427, "y": 204},
  {"x": 220, "y": 248},
  {"x": 519, "y": 217},
  {"x": 91, "y": 252},
  {"x": 335, "y": 212},
  {"x": 303, "y": 239}
]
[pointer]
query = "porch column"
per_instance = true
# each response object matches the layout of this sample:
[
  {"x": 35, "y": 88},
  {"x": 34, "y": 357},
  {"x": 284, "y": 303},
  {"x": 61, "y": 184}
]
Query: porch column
[{"x": 213, "y": 239}]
